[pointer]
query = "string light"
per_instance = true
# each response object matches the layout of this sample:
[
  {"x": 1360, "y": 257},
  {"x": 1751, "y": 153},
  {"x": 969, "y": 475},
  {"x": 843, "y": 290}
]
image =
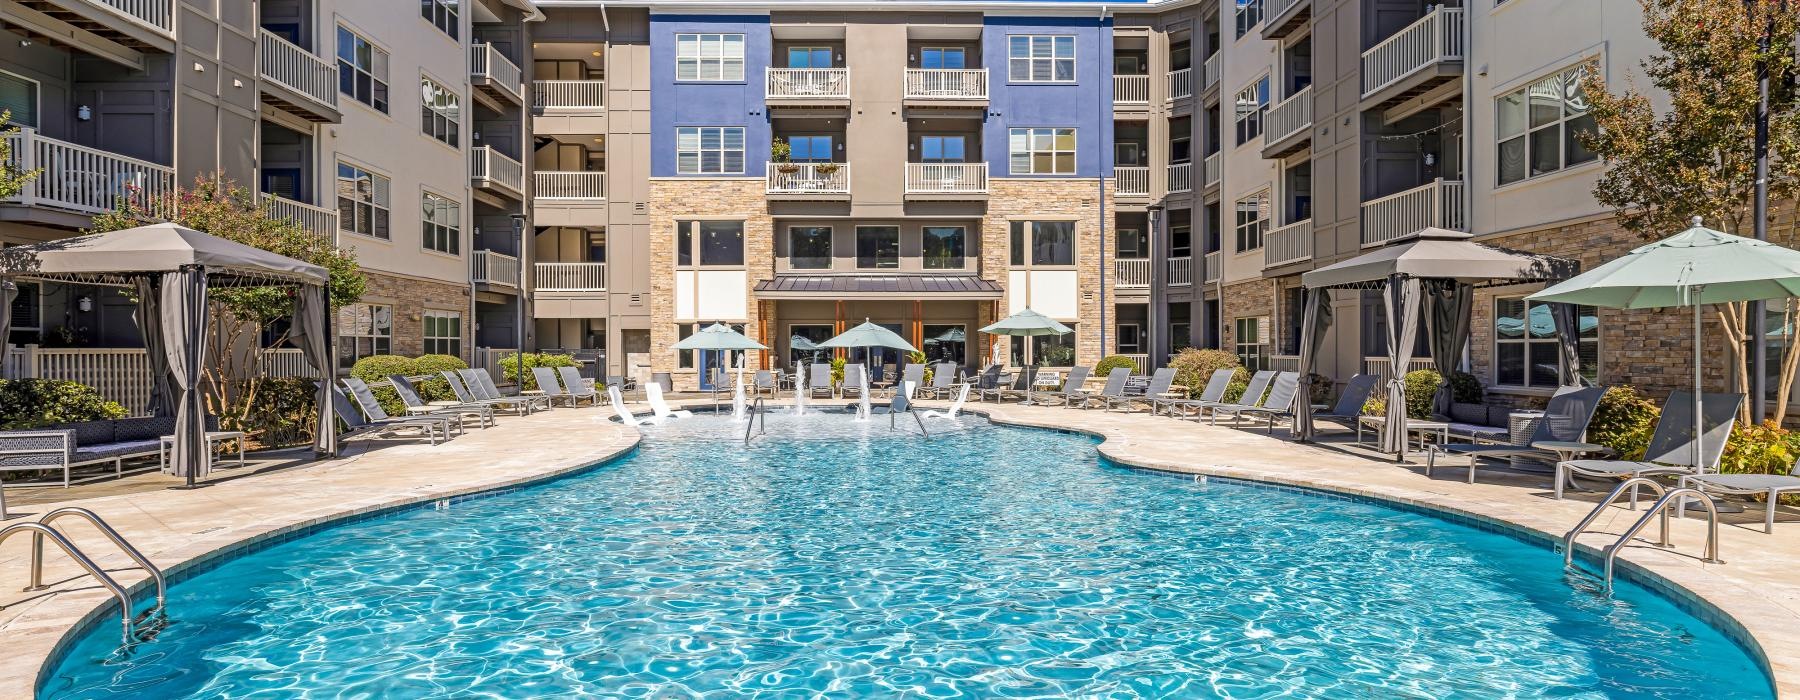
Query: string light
[{"x": 1427, "y": 132}]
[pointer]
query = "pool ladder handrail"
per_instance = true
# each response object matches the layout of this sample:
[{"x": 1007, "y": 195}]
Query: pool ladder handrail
[
  {"x": 1568, "y": 541},
  {"x": 126, "y": 619},
  {"x": 118, "y": 540},
  {"x": 757, "y": 418},
  {"x": 1669, "y": 500}
]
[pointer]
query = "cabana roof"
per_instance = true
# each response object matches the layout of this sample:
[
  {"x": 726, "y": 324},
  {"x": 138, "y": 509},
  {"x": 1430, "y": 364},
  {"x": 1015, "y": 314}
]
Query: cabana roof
[
  {"x": 1436, "y": 253},
  {"x": 117, "y": 256}
]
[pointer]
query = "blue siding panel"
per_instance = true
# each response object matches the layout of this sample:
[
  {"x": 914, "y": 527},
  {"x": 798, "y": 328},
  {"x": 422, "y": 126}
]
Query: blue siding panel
[
  {"x": 733, "y": 103},
  {"x": 1085, "y": 104}
]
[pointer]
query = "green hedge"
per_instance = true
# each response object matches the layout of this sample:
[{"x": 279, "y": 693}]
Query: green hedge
[
  {"x": 35, "y": 403},
  {"x": 510, "y": 365},
  {"x": 1193, "y": 366},
  {"x": 375, "y": 370},
  {"x": 1110, "y": 362}
]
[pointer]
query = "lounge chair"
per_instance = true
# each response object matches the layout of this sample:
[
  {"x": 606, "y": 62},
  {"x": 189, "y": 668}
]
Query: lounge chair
[
  {"x": 1020, "y": 381},
  {"x": 365, "y": 399},
  {"x": 483, "y": 385},
  {"x": 1671, "y": 450},
  {"x": 546, "y": 381},
  {"x": 653, "y": 394},
  {"x": 962, "y": 395},
  {"x": 1071, "y": 388},
  {"x": 763, "y": 381},
  {"x": 431, "y": 428},
  {"x": 914, "y": 374},
  {"x": 467, "y": 395},
  {"x": 1566, "y": 419},
  {"x": 856, "y": 378},
  {"x": 1160, "y": 382},
  {"x": 576, "y": 386},
  {"x": 618, "y": 404},
  {"x": 819, "y": 380},
  {"x": 988, "y": 379},
  {"x": 943, "y": 379},
  {"x": 1114, "y": 390},
  {"x": 1028, "y": 388},
  {"x": 1348, "y": 409},
  {"x": 1252, "y": 396},
  {"x": 1214, "y": 391},
  {"x": 415, "y": 404},
  {"x": 1770, "y": 486},
  {"x": 1280, "y": 402}
]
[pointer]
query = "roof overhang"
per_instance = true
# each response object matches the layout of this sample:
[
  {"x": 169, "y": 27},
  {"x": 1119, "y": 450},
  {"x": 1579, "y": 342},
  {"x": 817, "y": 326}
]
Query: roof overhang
[{"x": 882, "y": 287}]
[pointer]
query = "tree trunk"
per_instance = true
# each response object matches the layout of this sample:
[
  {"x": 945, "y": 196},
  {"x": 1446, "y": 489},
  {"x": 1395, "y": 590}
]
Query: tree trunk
[{"x": 1731, "y": 320}]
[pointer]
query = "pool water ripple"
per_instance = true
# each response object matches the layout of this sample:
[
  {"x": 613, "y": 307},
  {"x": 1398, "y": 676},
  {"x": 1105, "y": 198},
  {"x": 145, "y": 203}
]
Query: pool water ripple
[{"x": 837, "y": 558}]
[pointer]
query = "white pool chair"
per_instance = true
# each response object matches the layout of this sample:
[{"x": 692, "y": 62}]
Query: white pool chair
[
  {"x": 653, "y": 394},
  {"x": 618, "y": 404},
  {"x": 962, "y": 395}
]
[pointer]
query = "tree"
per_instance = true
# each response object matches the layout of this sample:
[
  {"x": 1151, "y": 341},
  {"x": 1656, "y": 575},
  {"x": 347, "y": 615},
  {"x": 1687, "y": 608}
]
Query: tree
[
  {"x": 13, "y": 178},
  {"x": 1698, "y": 157},
  {"x": 241, "y": 317}
]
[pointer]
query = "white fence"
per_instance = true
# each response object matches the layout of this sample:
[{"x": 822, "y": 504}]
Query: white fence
[
  {"x": 1211, "y": 265},
  {"x": 1181, "y": 271},
  {"x": 1181, "y": 83},
  {"x": 807, "y": 83},
  {"x": 489, "y": 267},
  {"x": 1289, "y": 244},
  {"x": 1378, "y": 366},
  {"x": 1142, "y": 360},
  {"x": 946, "y": 84},
  {"x": 1211, "y": 67},
  {"x": 568, "y": 95},
  {"x": 298, "y": 69},
  {"x": 1438, "y": 36},
  {"x": 122, "y": 375},
  {"x": 570, "y": 277},
  {"x": 487, "y": 62},
  {"x": 1211, "y": 166},
  {"x": 946, "y": 178},
  {"x": 158, "y": 15},
  {"x": 1131, "y": 272},
  {"x": 495, "y": 167},
  {"x": 1181, "y": 177},
  {"x": 1132, "y": 180},
  {"x": 319, "y": 220},
  {"x": 1438, "y": 203},
  {"x": 82, "y": 179},
  {"x": 807, "y": 178},
  {"x": 1131, "y": 89},
  {"x": 1289, "y": 116},
  {"x": 568, "y": 185}
]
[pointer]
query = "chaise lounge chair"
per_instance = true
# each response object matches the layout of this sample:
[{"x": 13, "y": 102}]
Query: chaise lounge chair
[
  {"x": 483, "y": 385},
  {"x": 1348, "y": 409},
  {"x": 819, "y": 380},
  {"x": 962, "y": 395},
  {"x": 618, "y": 404},
  {"x": 1215, "y": 390},
  {"x": 466, "y": 394},
  {"x": 1160, "y": 381},
  {"x": 1770, "y": 486},
  {"x": 856, "y": 378},
  {"x": 1252, "y": 396},
  {"x": 1071, "y": 388},
  {"x": 1020, "y": 382},
  {"x": 415, "y": 404},
  {"x": 1280, "y": 402},
  {"x": 1566, "y": 419},
  {"x": 365, "y": 399},
  {"x": 654, "y": 395},
  {"x": 943, "y": 378},
  {"x": 911, "y": 379},
  {"x": 763, "y": 382},
  {"x": 1113, "y": 391},
  {"x": 1671, "y": 450},
  {"x": 576, "y": 386},
  {"x": 553, "y": 392},
  {"x": 434, "y": 429}
]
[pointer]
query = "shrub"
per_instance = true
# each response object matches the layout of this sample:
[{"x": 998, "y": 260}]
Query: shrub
[
  {"x": 510, "y": 365},
  {"x": 918, "y": 358},
  {"x": 837, "y": 371},
  {"x": 35, "y": 403},
  {"x": 374, "y": 370},
  {"x": 1234, "y": 390},
  {"x": 1465, "y": 388},
  {"x": 282, "y": 412},
  {"x": 433, "y": 387},
  {"x": 1760, "y": 449},
  {"x": 1108, "y": 363},
  {"x": 1623, "y": 421},
  {"x": 1194, "y": 366},
  {"x": 1421, "y": 386}
]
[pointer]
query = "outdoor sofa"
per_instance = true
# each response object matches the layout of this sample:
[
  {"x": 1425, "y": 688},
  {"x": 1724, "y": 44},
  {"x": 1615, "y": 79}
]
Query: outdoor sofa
[{"x": 65, "y": 446}]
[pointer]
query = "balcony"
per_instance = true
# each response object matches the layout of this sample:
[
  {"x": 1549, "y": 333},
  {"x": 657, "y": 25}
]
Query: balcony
[
  {"x": 582, "y": 186},
  {"x": 1181, "y": 177},
  {"x": 80, "y": 179},
  {"x": 577, "y": 96},
  {"x": 296, "y": 81},
  {"x": 1211, "y": 66},
  {"x": 492, "y": 170},
  {"x": 1181, "y": 84},
  {"x": 569, "y": 277},
  {"x": 808, "y": 181},
  {"x": 494, "y": 75},
  {"x": 1131, "y": 89},
  {"x": 1288, "y": 245},
  {"x": 943, "y": 85},
  {"x": 1211, "y": 165},
  {"x": 1415, "y": 60},
  {"x": 494, "y": 269},
  {"x": 946, "y": 181},
  {"x": 1436, "y": 204},
  {"x": 318, "y": 220},
  {"x": 1181, "y": 271},
  {"x": 1281, "y": 18},
  {"x": 803, "y": 85},
  {"x": 1131, "y": 181},
  {"x": 1288, "y": 127},
  {"x": 136, "y": 24},
  {"x": 1212, "y": 268},
  {"x": 1131, "y": 273}
]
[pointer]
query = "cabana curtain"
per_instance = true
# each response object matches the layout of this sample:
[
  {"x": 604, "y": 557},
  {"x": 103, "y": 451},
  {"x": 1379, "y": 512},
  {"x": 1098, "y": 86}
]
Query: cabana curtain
[
  {"x": 149, "y": 322},
  {"x": 1448, "y": 306},
  {"x": 181, "y": 310},
  {"x": 1314, "y": 323},
  {"x": 1402, "y": 301},
  {"x": 309, "y": 332},
  {"x": 8, "y": 292}
]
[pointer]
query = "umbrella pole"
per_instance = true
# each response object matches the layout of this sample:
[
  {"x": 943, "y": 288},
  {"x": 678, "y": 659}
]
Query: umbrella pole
[{"x": 1699, "y": 420}]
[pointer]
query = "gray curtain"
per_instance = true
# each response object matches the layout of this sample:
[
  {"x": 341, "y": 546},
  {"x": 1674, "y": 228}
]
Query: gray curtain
[
  {"x": 8, "y": 292},
  {"x": 1568, "y": 336},
  {"x": 1402, "y": 301},
  {"x": 311, "y": 332},
  {"x": 183, "y": 320},
  {"x": 1312, "y": 339},
  {"x": 149, "y": 322},
  {"x": 1448, "y": 304}
]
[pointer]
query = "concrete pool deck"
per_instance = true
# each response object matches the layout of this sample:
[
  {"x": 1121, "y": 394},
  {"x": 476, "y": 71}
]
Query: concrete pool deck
[{"x": 1757, "y": 588}]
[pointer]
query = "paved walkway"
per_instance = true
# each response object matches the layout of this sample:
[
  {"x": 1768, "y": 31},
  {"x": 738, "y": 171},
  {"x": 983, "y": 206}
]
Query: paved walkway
[{"x": 1757, "y": 586}]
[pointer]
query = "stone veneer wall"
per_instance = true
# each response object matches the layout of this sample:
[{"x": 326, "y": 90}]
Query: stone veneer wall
[
  {"x": 1249, "y": 298},
  {"x": 1054, "y": 198},
  {"x": 714, "y": 199},
  {"x": 411, "y": 297}
]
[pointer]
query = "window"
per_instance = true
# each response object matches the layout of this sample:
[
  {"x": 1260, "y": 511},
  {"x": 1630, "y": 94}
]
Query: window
[
  {"x": 719, "y": 244},
  {"x": 709, "y": 150},
  {"x": 443, "y": 333},
  {"x": 717, "y": 360},
  {"x": 1249, "y": 14},
  {"x": 1251, "y": 343},
  {"x": 878, "y": 247},
  {"x": 362, "y": 70},
  {"x": 1127, "y": 154},
  {"x": 1041, "y": 59},
  {"x": 1537, "y": 126},
  {"x": 1526, "y": 352},
  {"x": 943, "y": 247},
  {"x": 19, "y": 96},
  {"x": 1133, "y": 243},
  {"x": 942, "y": 149},
  {"x": 942, "y": 58},
  {"x": 1251, "y": 103},
  {"x": 809, "y": 247},
  {"x": 809, "y": 56},
  {"x": 364, "y": 330},
  {"x": 809, "y": 149},
  {"x": 1181, "y": 240},
  {"x": 1046, "y": 350},
  {"x": 440, "y": 111},
  {"x": 27, "y": 314},
  {"x": 443, "y": 224},
  {"x": 945, "y": 343},
  {"x": 709, "y": 57},
  {"x": 441, "y": 14},
  {"x": 1051, "y": 243},
  {"x": 803, "y": 345},
  {"x": 1252, "y": 221},
  {"x": 1131, "y": 338},
  {"x": 1181, "y": 326},
  {"x": 1042, "y": 151},
  {"x": 362, "y": 201}
]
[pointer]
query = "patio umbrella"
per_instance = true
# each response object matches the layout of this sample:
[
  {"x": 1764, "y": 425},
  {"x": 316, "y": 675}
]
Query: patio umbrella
[
  {"x": 1026, "y": 323},
  {"x": 1695, "y": 267},
  {"x": 868, "y": 335},
  {"x": 719, "y": 336}
]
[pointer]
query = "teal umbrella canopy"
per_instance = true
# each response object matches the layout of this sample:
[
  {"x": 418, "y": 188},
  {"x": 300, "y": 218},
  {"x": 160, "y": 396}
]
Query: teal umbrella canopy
[
  {"x": 1026, "y": 322},
  {"x": 718, "y": 336},
  {"x": 869, "y": 335},
  {"x": 1696, "y": 266}
]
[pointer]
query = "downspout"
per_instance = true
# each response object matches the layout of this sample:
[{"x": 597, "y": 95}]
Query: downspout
[{"x": 1100, "y": 182}]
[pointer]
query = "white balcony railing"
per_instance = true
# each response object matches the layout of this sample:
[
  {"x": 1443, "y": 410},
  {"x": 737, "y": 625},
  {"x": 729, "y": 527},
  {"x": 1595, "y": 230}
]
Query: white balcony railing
[
  {"x": 1211, "y": 66},
  {"x": 568, "y": 185},
  {"x": 83, "y": 179},
  {"x": 1133, "y": 180},
  {"x": 1440, "y": 35},
  {"x": 1211, "y": 271},
  {"x": 157, "y": 15},
  {"x": 1181, "y": 83},
  {"x": 1378, "y": 366},
  {"x": 946, "y": 84},
  {"x": 808, "y": 178},
  {"x": 1274, "y": 9},
  {"x": 569, "y": 277},
  {"x": 1181, "y": 271},
  {"x": 1131, "y": 89},
  {"x": 1438, "y": 203},
  {"x": 946, "y": 178},
  {"x": 1131, "y": 272},
  {"x": 297, "y": 69},
  {"x": 487, "y": 62},
  {"x": 496, "y": 168},
  {"x": 489, "y": 267},
  {"x": 1289, "y": 244},
  {"x": 1181, "y": 177},
  {"x": 1211, "y": 164},
  {"x": 319, "y": 220},
  {"x": 1289, "y": 117},
  {"x": 808, "y": 83},
  {"x": 568, "y": 95}
]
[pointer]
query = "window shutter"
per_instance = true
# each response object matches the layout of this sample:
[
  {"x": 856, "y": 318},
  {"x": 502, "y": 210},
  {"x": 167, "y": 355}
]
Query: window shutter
[{"x": 19, "y": 96}]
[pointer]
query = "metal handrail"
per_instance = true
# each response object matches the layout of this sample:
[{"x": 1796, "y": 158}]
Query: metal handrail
[
  {"x": 758, "y": 417},
  {"x": 143, "y": 562},
  {"x": 1568, "y": 542},
  {"x": 1662, "y": 508},
  {"x": 125, "y": 617}
]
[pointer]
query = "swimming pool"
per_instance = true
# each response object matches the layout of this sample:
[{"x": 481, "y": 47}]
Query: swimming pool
[{"x": 833, "y": 557}]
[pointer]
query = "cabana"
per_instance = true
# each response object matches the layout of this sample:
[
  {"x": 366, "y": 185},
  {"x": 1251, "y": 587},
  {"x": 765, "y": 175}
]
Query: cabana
[
  {"x": 1428, "y": 275},
  {"x": 171, "y": 270}
]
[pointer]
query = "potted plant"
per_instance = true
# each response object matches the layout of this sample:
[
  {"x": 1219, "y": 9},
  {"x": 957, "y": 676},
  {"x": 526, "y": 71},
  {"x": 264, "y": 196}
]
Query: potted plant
[
  {"x": 826, "y": 169},
  {"x": 783, "y": 157}
]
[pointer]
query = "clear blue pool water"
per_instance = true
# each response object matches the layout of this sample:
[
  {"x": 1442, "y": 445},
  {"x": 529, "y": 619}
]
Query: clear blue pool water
[{"x": 836, "y": 558}]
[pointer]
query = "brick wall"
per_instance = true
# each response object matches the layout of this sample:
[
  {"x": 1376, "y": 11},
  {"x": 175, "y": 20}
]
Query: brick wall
[
  {"x": 1055, "y": 198},
  {"x": 411, "y": 297},
  {"x": 672, "y": 200},
  {"x": 1250, "y": 298}
]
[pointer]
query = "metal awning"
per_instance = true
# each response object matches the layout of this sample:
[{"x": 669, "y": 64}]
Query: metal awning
[{"x": 832, "y": 287}]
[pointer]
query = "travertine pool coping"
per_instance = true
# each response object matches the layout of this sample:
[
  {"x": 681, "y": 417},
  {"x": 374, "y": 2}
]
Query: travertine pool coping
[{"x": 1754, "y": 596}]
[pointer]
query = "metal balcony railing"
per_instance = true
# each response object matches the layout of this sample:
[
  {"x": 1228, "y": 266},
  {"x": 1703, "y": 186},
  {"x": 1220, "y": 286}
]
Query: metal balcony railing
[
  {"x": 1289, "y": 117},
  {"x": 946, "y": 84},
  {"x": 808, "y": 83},
  {"x": 1441, "y": 35},
  {"x": 1181, "y": 83},
  {"x": 1438, "y": 203},
  {"x": 808, "y": 178},
  {"x": 568, "y": 95},
  {"x": 157, "y": 15},
  {"x": 1131, "y": 89},
  {"x": 568, "y": 185},
  {"x": 1289, "y": 244},
  {"x": 83, "y": 179},
  {"x": 1133, "y": 180},
  {"x": 569, "y": 277},
  {"x": 1181, "y": 271},
  {"x": 297, "y": 69},
  {"x": 1131, "y": 272},
  {"x": 489, "y": 267},
  {"x": 487, "y": 62},
  {"x": 946, "y": 178}
]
